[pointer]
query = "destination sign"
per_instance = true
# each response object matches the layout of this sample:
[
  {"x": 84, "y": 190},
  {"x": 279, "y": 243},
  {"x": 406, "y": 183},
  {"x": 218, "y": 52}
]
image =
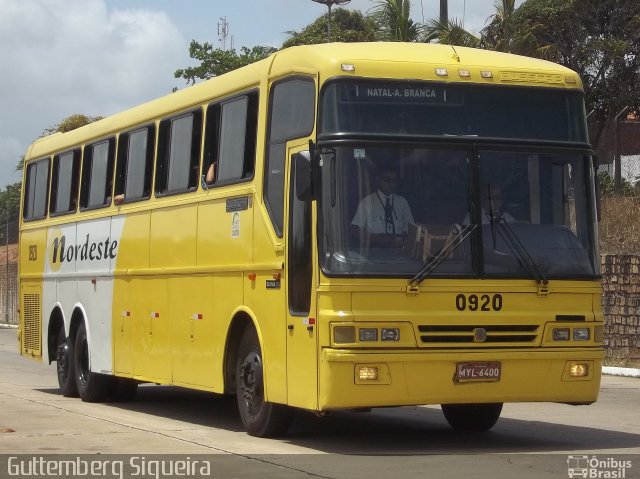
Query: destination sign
[{"x": 399, "y": 93}]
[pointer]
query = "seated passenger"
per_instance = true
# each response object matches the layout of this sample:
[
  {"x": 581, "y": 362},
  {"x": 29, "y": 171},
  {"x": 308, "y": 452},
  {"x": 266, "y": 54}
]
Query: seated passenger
[{"x": 491, "y": 203}]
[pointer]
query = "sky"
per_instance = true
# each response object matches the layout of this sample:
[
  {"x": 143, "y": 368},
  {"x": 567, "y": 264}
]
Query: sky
[{"x": 99, "y": 57}]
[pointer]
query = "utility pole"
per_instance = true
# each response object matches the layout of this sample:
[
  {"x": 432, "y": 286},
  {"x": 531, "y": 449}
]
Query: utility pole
[
  {"x": 444, "y": 12},
  {"x": 329, "y": 4}
]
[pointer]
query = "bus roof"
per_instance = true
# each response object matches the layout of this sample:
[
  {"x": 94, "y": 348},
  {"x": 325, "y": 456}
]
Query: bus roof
[{"x": 392, "y": 60}]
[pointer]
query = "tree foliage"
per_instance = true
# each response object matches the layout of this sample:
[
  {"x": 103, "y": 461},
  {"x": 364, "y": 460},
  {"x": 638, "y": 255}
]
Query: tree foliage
[
  {"x": 10, "y": 202},
  {"x": 214, "y": 61},
  {"x": 599, "y": 39},
  {"x": 71, "y": 123},
  {"x": 346, "y": 26},
  {"x": 393, "y": 18}
]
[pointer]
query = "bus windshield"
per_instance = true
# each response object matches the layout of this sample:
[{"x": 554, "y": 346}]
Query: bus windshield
[
  {"x": 434, "y": 109},
  {"x": 390, "y": 210}
]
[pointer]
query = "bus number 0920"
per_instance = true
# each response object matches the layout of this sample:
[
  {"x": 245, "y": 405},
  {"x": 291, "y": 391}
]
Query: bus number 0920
[{"x": 484, "y": 302}]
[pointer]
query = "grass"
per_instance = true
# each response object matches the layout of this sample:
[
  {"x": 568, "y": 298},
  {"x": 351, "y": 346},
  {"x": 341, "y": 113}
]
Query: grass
[{"x": 619, "y": 228}]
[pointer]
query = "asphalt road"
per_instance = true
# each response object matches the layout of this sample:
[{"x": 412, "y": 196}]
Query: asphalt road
[{"x": 529, "y": 441}]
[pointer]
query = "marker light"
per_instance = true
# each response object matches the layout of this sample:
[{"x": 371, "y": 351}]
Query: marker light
[
  {"x": 368, "y": 334},
  {"x": 464, "y": 73},
  {"x": 486, "y": 74},
  {"x": 598, "y": 334},
  {"x": 579, "y": 370},
  {"x": 344, "y": 334},
  {"x": 348, "y": 67},
  {"x": 442, "y": 72},
  {"x": 367, "y": 373},
  {"x": 581, "y": 334},
  {"x": 561, "y": 334},
  {"x": 390, "y": 334}
]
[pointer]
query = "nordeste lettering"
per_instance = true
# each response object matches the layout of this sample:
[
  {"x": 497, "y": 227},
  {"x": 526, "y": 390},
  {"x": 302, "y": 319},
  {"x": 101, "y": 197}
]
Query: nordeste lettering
[{"x": 87, "y": 251}]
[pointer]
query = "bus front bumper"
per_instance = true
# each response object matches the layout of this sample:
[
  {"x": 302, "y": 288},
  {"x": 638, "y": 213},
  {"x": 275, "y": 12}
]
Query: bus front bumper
[{"x": 431, "y": 377}]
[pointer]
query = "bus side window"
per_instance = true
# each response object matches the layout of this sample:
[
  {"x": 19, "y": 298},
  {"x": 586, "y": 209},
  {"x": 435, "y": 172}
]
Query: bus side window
[
  {"x": 36, "y": 190},
  {"x": 97, "y": 174},
  {"x": 64, "y": 183},
  {"x": 135, "y": 164},
  {"x": 291, "y": 115},
  {"x": 230, "y": 141},
  {"x": 178, "y": 154}
]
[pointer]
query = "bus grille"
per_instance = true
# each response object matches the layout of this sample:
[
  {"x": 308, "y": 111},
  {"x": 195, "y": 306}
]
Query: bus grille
[
  {"x": 32, "y": 324},
  {"x": 478, "y": 335}
]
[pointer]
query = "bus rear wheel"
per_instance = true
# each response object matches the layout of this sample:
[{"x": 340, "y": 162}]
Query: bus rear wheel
[
  {"x": 92, "y": 387},
  {"x": 472, "y": 417},
  {"x": 65, "y": 365},
  {"x": 259, "y": 417}
]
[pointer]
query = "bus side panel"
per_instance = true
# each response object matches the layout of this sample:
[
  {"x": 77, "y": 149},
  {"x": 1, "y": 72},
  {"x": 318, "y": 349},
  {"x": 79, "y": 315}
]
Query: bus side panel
[
  {"x": 95, "y": 248},
  {"x": 133, "y": 254},
  {"x": 225, "y": 232},
  {"x": 200, "y": 326},
  {"x": 33, "y": 322},
  {"x": 265, "y": 297}
]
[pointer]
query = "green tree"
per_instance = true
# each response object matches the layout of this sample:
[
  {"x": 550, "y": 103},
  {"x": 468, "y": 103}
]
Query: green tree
[
  {"x": 214, "y": 61},
  {"x": 599, "y": 39},
  {"x": 71, "y": 123},
  {"x": 10, "y": 203},
  {"x": 346, "y": 26},
  {"x": 451, "y": 32},
  {"x": 393, "y": 18}
]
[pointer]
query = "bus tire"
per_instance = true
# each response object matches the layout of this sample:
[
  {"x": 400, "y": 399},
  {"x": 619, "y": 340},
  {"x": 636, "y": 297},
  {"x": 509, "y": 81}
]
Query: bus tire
[
  {"x": 92, "y": 387},
  {"x": 472, "y": 417},
  {"x": 259, "y": 417},
  {"x": 65, "y": 366}
]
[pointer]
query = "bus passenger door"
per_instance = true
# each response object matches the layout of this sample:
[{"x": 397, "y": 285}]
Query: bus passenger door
[{"x": 302, "y": 378}]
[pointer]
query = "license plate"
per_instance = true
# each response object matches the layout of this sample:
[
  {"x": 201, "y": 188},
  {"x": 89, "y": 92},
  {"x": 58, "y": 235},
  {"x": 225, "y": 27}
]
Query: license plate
[{"x": 478, "y": 371}]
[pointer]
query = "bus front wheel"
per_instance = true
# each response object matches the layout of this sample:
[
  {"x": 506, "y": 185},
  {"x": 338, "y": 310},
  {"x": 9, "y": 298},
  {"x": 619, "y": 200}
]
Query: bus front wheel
[
  {"x": 92, "y": 387},
  {"x": 259, "y": 417},
  {"x": 65, "y": 365},
  {"x": 472, "y": 417}
]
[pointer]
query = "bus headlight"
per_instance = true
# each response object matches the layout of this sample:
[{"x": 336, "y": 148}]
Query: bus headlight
[
  {"x": 390, "y": 334},
  {"x": 368, "y": 334},
  {"x": 581, "y": 334},
  {"x": 561, "y": 334},
  {"x": 344, "y": 334}
]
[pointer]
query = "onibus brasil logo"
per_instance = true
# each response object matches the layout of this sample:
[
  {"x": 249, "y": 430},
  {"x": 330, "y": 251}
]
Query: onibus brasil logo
[{"x": 597, "y": 468}]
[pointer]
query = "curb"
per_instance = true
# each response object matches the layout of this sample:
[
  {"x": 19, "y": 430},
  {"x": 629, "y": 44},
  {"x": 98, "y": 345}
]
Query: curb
[{"x": 615, "y": 371}]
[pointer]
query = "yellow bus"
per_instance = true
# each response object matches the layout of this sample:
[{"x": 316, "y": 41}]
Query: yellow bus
[{"x": 339, "y": 226}]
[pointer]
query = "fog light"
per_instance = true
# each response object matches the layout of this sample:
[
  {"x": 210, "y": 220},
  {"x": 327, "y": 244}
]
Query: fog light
[
  {"x": 390, "y": 334},
  {"x": 367, "y": 373},
  {"x": 344, "y": 334},
  {"x": 579, "y": 370},
  {"x": 581, "y": 334},
  {"x": 561, "y": 334},
  {"x": 368, "y": 334}
]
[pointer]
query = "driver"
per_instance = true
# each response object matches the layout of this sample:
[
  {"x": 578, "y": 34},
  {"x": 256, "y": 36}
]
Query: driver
[{"x": 383, "y": 217}]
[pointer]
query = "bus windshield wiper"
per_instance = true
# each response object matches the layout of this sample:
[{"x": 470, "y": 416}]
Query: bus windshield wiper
[
  {"x": 520, "y": 251},
  {"x": 459, "y": 236}
]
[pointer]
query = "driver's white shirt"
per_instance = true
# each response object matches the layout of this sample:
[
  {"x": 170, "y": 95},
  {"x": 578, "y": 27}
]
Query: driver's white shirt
[{"x": 370, "y": 213}]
